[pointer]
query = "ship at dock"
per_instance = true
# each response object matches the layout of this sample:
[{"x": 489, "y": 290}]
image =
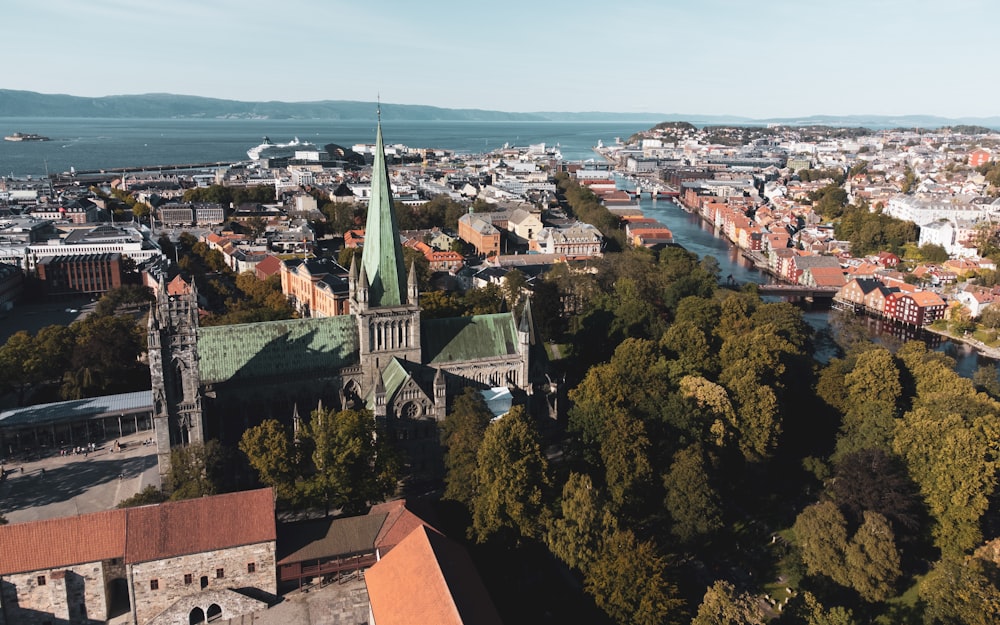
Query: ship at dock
[
  {"x": 22, "y": 136},
  {"x": 267, "y": 149}
]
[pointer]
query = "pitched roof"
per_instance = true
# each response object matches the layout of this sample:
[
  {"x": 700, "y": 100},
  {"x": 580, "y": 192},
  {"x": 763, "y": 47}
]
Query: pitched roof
[
  {"x": 428, "y": 578},
  {"x": 324, "y": 538},
  {"x": 276, "y": 348},
  {"x": 196, "y": 525},
  {"x": 140, "y": 534},
  {"x": 468, "y": 338},
  {"x": 400, "y": 521},
  {"x": 382, "y": 255},
  {"x": 62, "y": 542}
]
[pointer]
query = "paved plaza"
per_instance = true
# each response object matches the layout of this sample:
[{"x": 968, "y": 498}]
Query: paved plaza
[{"x": 58, "y": 486}]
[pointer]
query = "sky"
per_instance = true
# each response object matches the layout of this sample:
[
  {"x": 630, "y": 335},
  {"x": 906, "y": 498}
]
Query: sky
[{"x": 752, "y": 58}]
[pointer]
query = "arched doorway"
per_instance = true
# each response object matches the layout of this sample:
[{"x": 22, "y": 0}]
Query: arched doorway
[
  {"x": 214, "y": 612},
  {"x": 204, "y": 582},
  {"x": 197, "y": 616}
]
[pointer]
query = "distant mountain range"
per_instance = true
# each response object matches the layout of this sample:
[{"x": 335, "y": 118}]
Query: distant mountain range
[{"x": 168, "y": 106}]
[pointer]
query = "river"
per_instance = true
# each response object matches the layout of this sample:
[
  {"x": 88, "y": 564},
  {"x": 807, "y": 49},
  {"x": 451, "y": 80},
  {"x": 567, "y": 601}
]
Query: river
[{"x": 698, "y": 236}]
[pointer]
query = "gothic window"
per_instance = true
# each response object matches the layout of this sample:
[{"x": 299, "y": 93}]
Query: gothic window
[{"x": 410, "y": 410}]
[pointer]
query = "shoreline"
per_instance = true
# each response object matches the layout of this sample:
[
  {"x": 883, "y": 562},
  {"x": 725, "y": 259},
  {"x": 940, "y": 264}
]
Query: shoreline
[{"x": 981, "y": 348}]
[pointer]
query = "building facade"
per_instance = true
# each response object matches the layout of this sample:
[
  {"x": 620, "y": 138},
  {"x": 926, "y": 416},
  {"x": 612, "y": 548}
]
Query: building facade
[{"x": 186, "y": 555}]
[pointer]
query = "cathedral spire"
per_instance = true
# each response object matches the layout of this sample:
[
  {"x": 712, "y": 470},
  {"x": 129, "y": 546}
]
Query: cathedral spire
[{"x": 382, "y": 255}]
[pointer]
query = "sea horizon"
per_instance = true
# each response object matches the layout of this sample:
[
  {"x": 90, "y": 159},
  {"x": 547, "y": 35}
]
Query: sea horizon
[{"x": 89, "y": 144}]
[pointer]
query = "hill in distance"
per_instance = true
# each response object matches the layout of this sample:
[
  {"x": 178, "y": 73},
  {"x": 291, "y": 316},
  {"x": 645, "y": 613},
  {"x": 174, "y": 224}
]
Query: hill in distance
[{"x": 15, "y": 103}]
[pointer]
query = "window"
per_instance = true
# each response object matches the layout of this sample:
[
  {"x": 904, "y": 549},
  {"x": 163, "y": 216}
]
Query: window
[
  {"x": 41, "y": 580},
  {"x": 187, "y": 579},
  {"x": 220, "y": 573},
  {"x": 154, "y": 584},
  {"x": 252, "y": 567}
]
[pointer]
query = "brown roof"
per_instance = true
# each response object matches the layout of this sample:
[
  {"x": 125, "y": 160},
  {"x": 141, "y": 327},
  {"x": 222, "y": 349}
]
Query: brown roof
[
  {"x": 428, "y": 578},
  {"x": 62, "y": 542},
  {"x": 327, "y": 538},
  {"x": 195, "y": 525}
]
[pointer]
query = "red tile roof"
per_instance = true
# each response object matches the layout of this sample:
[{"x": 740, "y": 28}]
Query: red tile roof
[
  {"x": 140, "y": 534},
  {"x": 195, "y": 525},
  {"x": 428, "y": 578},
  {"x": 62, "y": 542}
]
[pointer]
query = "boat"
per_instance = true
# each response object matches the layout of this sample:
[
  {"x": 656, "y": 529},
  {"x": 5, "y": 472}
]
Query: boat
[
  {"x": 22, "y": 136},
  {"x": 267, "y": 149}
]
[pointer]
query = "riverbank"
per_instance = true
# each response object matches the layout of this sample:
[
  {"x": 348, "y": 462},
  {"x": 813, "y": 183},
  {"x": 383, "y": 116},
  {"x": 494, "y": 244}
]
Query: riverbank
[{"x": 981, "y": 348}]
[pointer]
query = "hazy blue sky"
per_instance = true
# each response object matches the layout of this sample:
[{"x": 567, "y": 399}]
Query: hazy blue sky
[{"x": 756, "y": 58}]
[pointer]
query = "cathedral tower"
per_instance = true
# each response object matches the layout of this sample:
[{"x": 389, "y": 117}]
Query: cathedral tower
[
  {"x": 173, "y": 364},
  {"x": 383, "y": 297}
]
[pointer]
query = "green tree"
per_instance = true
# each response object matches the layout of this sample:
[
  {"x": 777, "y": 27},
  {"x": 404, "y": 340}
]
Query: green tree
[
  {"x": 271, "y": 453},
  {"x": 723, "y": 605},
  {"x": 575, "y": 535},
  {"x": 462, "y": 435},
  {"x": 953, "y": 461},
  {"x": 693, "y": 504},
  {"x": 106, "y": 358},
  {"x": 145, "y": 497},
  {"x": 873, "y": 560},
  {"x": 821, "y": 534},
  {"x": 16, "y": 355},
  {"x": 628, "y": 581},
  {"x": 352, "y": 467},
  {"x": 806, "y": 608},
  {"x": 961, "y": 591},
  {"x": 933, "y": 253},
  {"x": 874, "y": 391},
  {"x": 197, "y": 470},
  {"x": 511, "y": 479},
  {"x": 624, "y": 449}
]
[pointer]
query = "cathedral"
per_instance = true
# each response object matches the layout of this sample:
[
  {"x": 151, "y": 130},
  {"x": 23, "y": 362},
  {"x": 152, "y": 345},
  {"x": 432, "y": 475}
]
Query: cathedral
[{"x": 215, "y": 382}]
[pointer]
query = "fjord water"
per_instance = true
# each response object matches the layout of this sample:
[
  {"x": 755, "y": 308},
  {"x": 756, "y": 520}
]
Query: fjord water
[{"x": 95, "y": 144}]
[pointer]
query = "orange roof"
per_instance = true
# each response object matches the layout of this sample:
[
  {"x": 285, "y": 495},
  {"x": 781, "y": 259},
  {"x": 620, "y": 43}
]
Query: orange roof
[
  {"x": 399, "y": 523},
  {"x": 195, "y": 525},
  {"x": 828, "y": 276},
  {"x": 926, "y": 298},
  {"x": 428, "y": 578},
  {"x": 62, "y": 542},
  {"x": 178, "y": 286}
]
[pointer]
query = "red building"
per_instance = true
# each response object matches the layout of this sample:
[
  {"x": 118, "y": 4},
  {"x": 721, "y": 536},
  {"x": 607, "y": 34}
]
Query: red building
[{"x": 84, "y": 273}]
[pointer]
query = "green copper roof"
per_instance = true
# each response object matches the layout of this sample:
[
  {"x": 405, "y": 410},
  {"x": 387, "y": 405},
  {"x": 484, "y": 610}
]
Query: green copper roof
[
  {"x": 382, "y": 255},
  {"x": 277, "y": 348},
  {"x": 393, "y": 377},
  {"x": 468, "y": 338}
]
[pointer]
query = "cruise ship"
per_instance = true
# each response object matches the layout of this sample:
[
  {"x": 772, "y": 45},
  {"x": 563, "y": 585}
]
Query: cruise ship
[
  {"x": 267, "y": 149},
  {"x": 20, "y": 136}
]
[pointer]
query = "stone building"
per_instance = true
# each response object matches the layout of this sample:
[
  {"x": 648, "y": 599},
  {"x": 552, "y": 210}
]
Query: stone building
[
  {"x": 176, "y": 562},
  {"x": 215, "y": 382}
]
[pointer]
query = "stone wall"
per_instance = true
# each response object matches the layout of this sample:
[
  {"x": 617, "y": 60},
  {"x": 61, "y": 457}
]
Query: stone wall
[
  {"x": 75, "y": 594},
  {"x": 203, "y": 570}
]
